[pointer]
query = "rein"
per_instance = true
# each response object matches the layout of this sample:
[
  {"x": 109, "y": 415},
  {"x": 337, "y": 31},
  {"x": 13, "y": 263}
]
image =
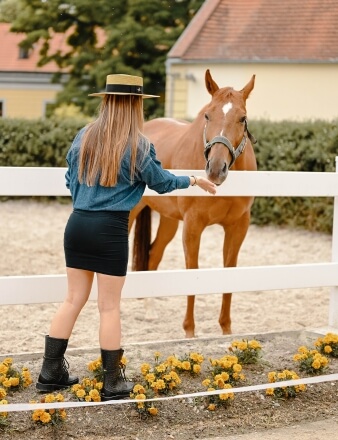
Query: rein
[{"x": 235, "y": 152}]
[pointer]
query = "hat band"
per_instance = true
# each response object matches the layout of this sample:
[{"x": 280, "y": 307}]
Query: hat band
[{"x": 121, "y": 88}]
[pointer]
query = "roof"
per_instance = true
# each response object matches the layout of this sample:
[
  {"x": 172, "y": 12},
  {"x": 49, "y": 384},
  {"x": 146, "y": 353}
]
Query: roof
[
  {"x": 9, "y": 52},
  {"x": 261, "y": 31}
]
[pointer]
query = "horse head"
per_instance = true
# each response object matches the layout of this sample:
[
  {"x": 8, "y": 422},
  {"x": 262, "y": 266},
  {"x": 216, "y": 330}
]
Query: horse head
[{"x": 226, "y": 131}]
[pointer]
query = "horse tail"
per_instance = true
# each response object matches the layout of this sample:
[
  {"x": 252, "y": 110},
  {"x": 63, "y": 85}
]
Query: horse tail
[{"x": 142, "y": 240}]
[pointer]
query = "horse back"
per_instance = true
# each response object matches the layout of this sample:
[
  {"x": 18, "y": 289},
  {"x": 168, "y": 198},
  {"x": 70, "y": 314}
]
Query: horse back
[{"x": 166, "y": 135}]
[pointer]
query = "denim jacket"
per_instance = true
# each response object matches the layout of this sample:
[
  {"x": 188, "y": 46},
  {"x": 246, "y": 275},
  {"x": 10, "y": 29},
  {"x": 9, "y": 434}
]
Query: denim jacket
[{"x": 126, "y": 193}]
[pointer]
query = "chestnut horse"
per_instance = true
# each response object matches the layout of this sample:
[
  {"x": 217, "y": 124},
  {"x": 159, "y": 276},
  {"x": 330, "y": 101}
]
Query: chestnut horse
[{"x": 217, "y": 140}]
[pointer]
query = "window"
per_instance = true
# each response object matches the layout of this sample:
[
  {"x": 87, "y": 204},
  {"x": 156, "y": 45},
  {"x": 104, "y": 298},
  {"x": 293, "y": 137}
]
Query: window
[{"x": 23, "y": 53}]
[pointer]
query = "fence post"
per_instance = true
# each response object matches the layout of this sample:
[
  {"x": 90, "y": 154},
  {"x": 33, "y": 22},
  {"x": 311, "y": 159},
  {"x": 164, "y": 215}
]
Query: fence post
[{"x": 333, "y": 306}]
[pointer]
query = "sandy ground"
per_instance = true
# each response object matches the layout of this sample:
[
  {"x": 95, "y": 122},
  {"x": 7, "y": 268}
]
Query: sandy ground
[{"x": 31, "y": 237}]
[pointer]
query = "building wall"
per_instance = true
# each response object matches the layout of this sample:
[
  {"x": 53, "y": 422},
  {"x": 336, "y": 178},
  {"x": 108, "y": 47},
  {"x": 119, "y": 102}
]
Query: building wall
[
  {"x": 282, "y": 91},
  {"x": 23, "y": 103},
  {"x": 25, "y": 95}
]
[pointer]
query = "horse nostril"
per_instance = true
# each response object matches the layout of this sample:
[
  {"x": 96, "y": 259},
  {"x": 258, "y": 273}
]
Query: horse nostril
[
  {"x": 225, "y": 168},
  {"x": 207, "y": 165}
]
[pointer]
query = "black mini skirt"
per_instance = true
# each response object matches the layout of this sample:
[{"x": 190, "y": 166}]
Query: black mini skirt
[{"x": 97, "y": 241}]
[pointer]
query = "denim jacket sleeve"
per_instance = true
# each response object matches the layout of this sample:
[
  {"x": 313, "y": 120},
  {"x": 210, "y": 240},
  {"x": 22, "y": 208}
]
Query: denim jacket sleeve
[{"x": 158, "y": 179}]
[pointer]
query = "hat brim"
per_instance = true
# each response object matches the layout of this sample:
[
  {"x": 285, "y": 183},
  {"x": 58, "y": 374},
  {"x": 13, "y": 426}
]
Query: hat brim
[{"x": 125, "y": 94}]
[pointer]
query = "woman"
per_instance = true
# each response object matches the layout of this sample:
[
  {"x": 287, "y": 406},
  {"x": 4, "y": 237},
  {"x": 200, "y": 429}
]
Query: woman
[{"x": 110, "y": 163}]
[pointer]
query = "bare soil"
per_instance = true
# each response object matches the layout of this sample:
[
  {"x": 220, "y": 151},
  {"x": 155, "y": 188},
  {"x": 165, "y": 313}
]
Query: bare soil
[{"x": 31, "y": 236}]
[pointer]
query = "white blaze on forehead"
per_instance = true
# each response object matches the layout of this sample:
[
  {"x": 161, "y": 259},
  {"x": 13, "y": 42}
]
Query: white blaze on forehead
[{"x": 227, "y": 107}]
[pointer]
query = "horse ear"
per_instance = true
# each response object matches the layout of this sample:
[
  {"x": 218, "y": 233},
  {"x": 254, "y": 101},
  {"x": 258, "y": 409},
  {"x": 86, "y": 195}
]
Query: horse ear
[
  {"x": 248, "y": 88},
  {"x": 210, "y": 84}
]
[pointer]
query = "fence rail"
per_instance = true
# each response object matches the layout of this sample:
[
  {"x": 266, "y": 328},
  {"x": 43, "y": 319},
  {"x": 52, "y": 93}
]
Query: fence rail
[{"x": 24, "y": 181}]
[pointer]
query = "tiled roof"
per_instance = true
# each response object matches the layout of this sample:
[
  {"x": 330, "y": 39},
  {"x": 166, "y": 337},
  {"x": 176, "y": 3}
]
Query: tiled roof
[
  {"x": 9, "y": 52},
  {"x": 260, "y": 31}
]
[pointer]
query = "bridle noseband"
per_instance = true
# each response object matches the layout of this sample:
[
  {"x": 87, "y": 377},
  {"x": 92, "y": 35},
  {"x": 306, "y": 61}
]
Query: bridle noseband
[{"x": 235, "y": 152}]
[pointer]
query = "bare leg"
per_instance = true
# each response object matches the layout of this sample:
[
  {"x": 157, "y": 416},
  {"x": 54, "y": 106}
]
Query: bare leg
[
  {"x": 79, "y": 287},
  {"x": 109, "y": 298}
]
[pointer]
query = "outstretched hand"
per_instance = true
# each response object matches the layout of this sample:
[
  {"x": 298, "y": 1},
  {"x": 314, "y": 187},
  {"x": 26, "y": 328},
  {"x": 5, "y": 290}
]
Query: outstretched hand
[{"x": 206, "y": 185}]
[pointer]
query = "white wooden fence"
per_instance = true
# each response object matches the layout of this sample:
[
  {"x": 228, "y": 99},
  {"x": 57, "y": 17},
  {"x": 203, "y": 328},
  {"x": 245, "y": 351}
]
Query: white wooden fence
[{"x": 24, "y": 181}]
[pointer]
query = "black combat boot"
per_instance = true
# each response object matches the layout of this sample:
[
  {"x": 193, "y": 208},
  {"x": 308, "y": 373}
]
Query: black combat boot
[
  {"x": 115, "y": 384},
  {"x": 54, "y": 372}
]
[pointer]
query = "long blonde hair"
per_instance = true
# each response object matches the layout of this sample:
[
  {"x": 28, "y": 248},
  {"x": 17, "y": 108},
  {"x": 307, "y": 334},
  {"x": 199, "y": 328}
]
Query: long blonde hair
[{"x": 119, "y": 124}]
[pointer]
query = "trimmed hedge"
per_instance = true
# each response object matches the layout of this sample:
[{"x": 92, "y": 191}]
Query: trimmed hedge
[
  {"x": 281, "y": 146},
  {"x": 295, "y": 146}
]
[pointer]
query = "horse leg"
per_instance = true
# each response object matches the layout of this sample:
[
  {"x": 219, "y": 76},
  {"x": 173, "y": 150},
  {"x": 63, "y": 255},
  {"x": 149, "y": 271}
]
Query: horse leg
[
  {"x": 233, "y": 239},
  {"x": 165, "y": 233},
  {"x": 191, "y": 244}
]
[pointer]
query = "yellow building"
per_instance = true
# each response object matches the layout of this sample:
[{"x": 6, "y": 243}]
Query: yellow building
[
  {"x": 291, "y": 46},
  {"x": 25, "y": 89}
]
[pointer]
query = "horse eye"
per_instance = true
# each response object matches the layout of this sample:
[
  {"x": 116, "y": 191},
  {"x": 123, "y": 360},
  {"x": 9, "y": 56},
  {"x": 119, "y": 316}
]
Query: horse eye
[
  {"x": 206, "y": 116},
  {"x": 242, "y": 119}
]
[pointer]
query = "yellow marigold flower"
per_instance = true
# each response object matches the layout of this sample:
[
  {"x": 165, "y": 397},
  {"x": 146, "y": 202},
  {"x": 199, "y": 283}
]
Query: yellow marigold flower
[
  {"x": 303, "y": 350},
  {"x": 153, "y": 411},
  {"x": 145, "y": 368},
  {"x": 159, "y": 384},
  {"x": 124, "y": 361},
  {"x": 150, "y": 377},
  {"x": 211, "y": 407},
  {"x": 272, "y": 376},
  {"x": 140, "y": 405},
  {"x": 15, "y": 381},
  {"x": 281, "y": 375},
  {"x": 76, "y": 387},
  {"x": 35, "y": 416},
  {"x": 99, "y": 385},
  {"x": 196, "y": 368},
  {"x": 226, "y": 364},
  {"x": 297, "y": 357},
  {"x": 270, "y": 391},
  {"x": 157, "y": 354},
  {"x": 254, "y": 344},
  {"x": 224, "y": 396},
  {"x": 138, "y": 388},
  {"x": 175, "y": 376},
  {"x": 45, "y": 417},
  {"x": 186, "y": 365},
  {"x": 243, "y": 345},
  {"x": 172, "y": 360},
  {"x": 206, "y": 382},
  {"x": 8, "y": 361},
  {"x": 59, "y": 397},
  {"x": 3, "y": 369},
  {"x": 327, "y": 349},
  {"x": 161, "y": 368},
  {"x": 172, "y": 384},
  {"x": 242, "y": 376},
  {"x": 7, "y": 383},
  {"x": 80, "y": 394},
  {"x": 213, "y": 362},
  {"x": 86, "y": 382},
  {"x": 235, "y": 376},
  {"x": 140, "y": 396},
  {"x": 62, "y": 414},
  {"x": 316, "y": 364},
  {"x": 324, "y": 361},
  {"x": 237, "y": 368},
  {"x": 88, "y": 398},
  {"x": 211, "y": 389},
  {"x": 95, "y": 395},
  {"x": 2, "y": 393},
  {"x": 49, "y": 398},
  {"x": 301, "y": 387}
]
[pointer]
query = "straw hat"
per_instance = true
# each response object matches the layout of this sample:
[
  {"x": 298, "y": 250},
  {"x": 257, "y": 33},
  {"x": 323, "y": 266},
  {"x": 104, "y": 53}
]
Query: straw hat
[{"x": 120, "y": 84}]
